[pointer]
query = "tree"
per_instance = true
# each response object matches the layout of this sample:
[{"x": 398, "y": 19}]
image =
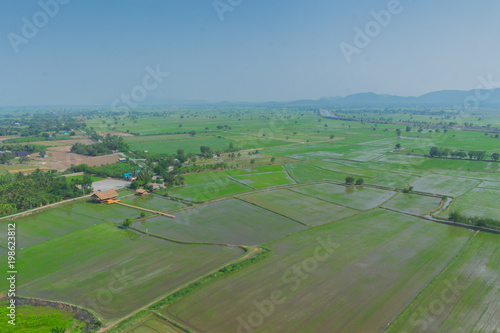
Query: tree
[
  {"x": 408, "y": 189},
  {"x": 495, "y": 156},
  {"x": 127, "y": 223},
  {"x": 349, "y": 180},
  {"x": 252, "y": 161},
  {"x": 86, "y": 182},
  {"x": 143, "y": 215},
  {"x": 206, "y": 151},
  {"x": 398, "y": 132},
  {"x": 273, "y": 159},
  {"x": 360, "y": 181},
  {"x": 433, "y": 152},
  {"x": 408, "y": 128},
  {"x": 23, "y": 159},
  {"x": 398, "y": 145},
  {"x": 180, "y": 155},
  {"x": 332, "y": 136}
]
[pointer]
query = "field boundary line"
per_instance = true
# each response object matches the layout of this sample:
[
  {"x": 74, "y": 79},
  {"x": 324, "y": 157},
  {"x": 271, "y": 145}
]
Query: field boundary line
[
  {"x": 181, "y": 242},
  {"x": 236, "y": 181},
  {"x": 331, "y": 202},
  {"x": 289, "y": 174},
  {"x": 272, "y": 211},
  {"x": 172, "y": 321}
]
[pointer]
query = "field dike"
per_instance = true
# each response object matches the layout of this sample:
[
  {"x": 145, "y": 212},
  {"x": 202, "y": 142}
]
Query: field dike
[
  {"x": 91, "y": 322},
  {"x": 259, "y": 253}
]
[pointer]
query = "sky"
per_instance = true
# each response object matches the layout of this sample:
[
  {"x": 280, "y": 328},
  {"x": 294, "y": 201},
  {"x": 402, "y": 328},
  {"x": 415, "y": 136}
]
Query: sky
[{"x": 86, "y": 52}]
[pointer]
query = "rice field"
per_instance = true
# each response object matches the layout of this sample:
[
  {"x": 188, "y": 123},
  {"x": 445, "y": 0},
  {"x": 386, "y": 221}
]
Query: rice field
[
  {"x": 353, "y": 171},
  {"x": 103, "y": 237},
  {"x": 463, "y": 298},
  {"x": 153, "y": 324},
  {"x": 479, "y": 202},
  {"x": 264, "y": 180},
  {"x": 445, "y": 185},
  {"x": 207, "y": 186},
  {"x": 394, "y": 181},
  {"x": 351, "y": 276},
  {"x": 124, "y": 278},
  {"x": 46, "y": 224},
  {"x": 230, "y": 221},
  {"x": 297, "y": 206},
  {"x": 190, "y": 146},
  {"x": 413, "y": 203},
  {"x": 357, "y": 197},
  {"x": 303, "y": 173}
]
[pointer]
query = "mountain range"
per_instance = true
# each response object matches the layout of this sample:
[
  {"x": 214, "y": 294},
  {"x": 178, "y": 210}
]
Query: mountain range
[{"x": 457, "y": 99}]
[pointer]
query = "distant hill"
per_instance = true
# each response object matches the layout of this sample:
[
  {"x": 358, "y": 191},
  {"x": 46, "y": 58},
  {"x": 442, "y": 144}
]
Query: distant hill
[{"x": 444, "y": 98}]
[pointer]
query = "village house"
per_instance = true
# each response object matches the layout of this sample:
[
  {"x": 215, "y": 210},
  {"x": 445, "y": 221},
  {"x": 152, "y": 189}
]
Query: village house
[
  {"x": 155, "y": 186},
  {"x": 22, "y": 153}
]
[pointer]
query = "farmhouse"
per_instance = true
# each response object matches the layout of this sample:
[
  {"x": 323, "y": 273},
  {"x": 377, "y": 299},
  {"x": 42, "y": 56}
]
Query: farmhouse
[
  {"x": 22, "y": 153},
  {"x": 130, "y": 176},
  {"x": 141, "y": 192},
  {"x": 103, "y": 196},
  {"x": 155, "y": 186}
]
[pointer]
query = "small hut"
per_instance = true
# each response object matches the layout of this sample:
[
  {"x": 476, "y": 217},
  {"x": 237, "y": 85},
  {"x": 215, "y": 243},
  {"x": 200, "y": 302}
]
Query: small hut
[
  {"x": 103, "y": 196},
  {"x": 141, "y": 192}
]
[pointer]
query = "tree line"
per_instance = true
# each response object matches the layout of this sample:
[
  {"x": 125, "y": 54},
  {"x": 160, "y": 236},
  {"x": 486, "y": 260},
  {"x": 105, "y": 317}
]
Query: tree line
[
  {"x": 474, "y": 220},
  {"x": 471, "y": 154}
]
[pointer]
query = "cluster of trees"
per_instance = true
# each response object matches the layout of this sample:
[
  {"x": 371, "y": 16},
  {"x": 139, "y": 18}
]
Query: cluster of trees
[
  {"x": 351, "y": 181},
  {"x": 206, "y": 152},
  {"x": 35, "y": 124},
  {"x": 19, "y": 192},
  {"x": 144, "y": 177},
  {"x": 474, "y": 220},
  {"x": 472, "y": 154},
  {"x": 115, "y": 170},
  {"x": 104, "y": 146},
  {"x": 85, "y": 182},
  {"x": 170, "y": 177}
]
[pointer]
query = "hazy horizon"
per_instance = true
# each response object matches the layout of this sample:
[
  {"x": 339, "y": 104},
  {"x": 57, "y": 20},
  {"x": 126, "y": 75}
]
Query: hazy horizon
[{"x": 61, "y": 52}]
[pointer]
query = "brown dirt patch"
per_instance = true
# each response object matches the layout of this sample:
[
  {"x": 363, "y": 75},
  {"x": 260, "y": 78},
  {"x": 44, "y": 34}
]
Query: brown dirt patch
[
  {"x": 62, "y": 142},
  {"x": 65, "y": 160}
]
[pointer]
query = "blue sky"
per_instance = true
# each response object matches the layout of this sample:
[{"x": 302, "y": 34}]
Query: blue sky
[{"x": 93, "y": 51}]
